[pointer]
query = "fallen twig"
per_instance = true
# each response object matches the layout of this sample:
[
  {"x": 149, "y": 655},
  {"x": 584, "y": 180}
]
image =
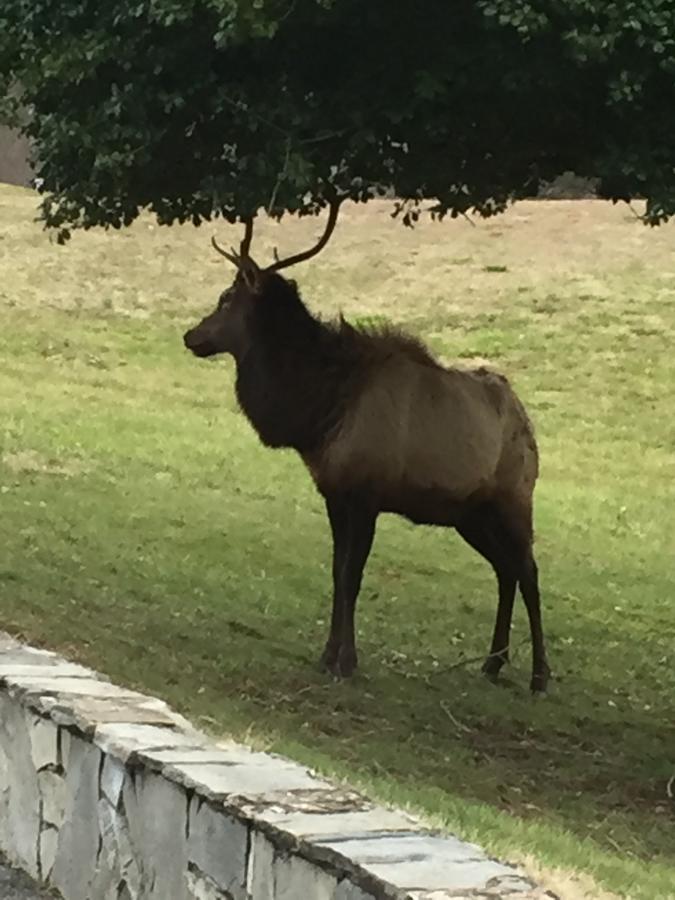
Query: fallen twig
[{"x": 455, "y": 722}]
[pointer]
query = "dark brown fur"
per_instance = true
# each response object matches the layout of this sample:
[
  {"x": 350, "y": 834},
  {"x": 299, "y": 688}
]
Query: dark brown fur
[{"x": 383, "y": 427}]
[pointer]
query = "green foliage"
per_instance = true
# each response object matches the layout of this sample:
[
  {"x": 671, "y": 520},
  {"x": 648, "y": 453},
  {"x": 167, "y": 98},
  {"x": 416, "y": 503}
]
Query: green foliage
[{"x": 196, "y": 108}]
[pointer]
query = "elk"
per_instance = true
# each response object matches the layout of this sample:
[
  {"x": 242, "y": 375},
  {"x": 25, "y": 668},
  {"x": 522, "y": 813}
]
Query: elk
[{"x": 382, "y": 427}]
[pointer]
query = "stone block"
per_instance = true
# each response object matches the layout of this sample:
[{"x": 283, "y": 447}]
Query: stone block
[
  {"x": 112, "y": 780},
  {"x": 78, "y": 687},
  {"x": 156, "y": 814},
  {"x": 423, "y": 861},
  {"x": 259, "y": 777},
  {"x": 260, "y": 868},
  {"x": 20, "y": 802},
  {"x": 201, "y": 887},
  {"x": 44, "y": 741},
  {"x": 7, "y": 643},
  {"x": 42, "y": 668},
  {"x": 4, "y": 797},
  {"x": 123, "y": 739},
  {"x": 117, "y": 852},
  {"x": 49, "y": 839},
  {"x": 88, "y": 712},
  {"x": 111, "y": 864},
  {"x": 217, "y": 847},
  {"x": 22, "y": 655},
  {"x": 79, "y": 834},
  {"x": 52, "y": 788},
  {"x": 319, "y": 799},
  {"x": 65, "y": 739},
  {"x": 160, "y": 759},
  {"x": 346, "y": 890},
  {"x": 294, "y": 877},
  {"x": 327, "y": 826}
]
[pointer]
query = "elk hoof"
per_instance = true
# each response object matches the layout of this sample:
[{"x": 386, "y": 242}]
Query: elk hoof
[
  {"x": 342, "y": 664},
  {"x": 539, "y": 682},
  {"x": 328, "y": 658},
  {"x": 492, "y": 667}
]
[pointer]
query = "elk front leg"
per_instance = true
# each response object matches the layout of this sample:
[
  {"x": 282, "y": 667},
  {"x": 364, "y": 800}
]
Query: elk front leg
[
  {"x": 337, "y": 516},
  {"x": 353, "y": 526}
]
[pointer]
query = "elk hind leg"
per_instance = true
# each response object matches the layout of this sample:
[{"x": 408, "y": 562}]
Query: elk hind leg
[
  {"x": 484, "y": 531},
  {"x": 529, "y": 588}
]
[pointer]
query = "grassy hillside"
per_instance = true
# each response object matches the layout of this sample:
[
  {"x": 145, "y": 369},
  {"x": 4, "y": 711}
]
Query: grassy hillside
[{"x": 145, "y": 531}]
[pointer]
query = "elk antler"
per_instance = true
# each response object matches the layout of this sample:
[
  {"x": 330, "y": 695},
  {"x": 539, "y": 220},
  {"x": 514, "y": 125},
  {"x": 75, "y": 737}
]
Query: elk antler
[
  {"x": 230, "y": 257},
  {"x": 333, "y": 209},
  {"x": 244, "y": 247}
]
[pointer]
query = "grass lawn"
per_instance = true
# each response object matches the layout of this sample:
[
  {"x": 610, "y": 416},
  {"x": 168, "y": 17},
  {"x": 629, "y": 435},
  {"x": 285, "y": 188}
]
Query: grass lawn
[{"x": 144, "y": 531}]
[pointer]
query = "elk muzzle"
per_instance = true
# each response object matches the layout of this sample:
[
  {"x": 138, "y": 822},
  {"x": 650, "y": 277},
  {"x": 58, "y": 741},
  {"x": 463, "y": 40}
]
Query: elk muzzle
[{"x": 199, "y": 342}]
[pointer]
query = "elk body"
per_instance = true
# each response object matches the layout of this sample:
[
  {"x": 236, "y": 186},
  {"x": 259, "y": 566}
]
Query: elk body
[{"x": 384, "y": 428}]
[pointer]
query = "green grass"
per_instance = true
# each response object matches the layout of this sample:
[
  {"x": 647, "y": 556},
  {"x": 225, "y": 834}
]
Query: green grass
[{"x": 145, "y": 531}]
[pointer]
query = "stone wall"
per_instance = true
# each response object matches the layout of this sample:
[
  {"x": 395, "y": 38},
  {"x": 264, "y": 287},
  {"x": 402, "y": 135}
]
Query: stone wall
[
  {"x": 107, "y": 794},
  {"x": 14, "y": 150}
]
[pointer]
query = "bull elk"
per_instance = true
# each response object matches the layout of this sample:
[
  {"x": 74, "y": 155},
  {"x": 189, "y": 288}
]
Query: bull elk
[{"x": 382, "y": 427}]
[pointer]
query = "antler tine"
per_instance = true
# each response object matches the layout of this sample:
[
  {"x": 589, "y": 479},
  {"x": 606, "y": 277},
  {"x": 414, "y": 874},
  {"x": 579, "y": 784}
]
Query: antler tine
[
  {"x": 230, "y": 257},
  {"x": 333, "y": 209},
  {"x": 245, "y": 245}
]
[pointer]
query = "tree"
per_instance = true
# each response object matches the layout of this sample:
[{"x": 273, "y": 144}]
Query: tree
[{"x": 199, "y": 108}]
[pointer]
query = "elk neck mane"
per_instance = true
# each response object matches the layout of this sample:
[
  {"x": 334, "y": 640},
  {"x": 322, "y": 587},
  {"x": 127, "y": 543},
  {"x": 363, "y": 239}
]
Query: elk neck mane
[{"x": 297, "y": 379}]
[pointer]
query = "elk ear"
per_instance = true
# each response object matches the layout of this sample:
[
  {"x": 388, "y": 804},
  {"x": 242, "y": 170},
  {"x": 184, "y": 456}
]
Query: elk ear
[{"x": 252, "y": 275}]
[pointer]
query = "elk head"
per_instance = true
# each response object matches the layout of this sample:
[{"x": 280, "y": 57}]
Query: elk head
[{"x": 225, "y": 330}]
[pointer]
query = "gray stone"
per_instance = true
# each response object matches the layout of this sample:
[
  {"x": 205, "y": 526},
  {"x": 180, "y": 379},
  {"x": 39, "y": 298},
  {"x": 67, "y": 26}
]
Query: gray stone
[
  {"x": 108, "y": 874},
  {"x": 201, "y": 887},
  {"x": 329, "y": 826},
  {"x": 422, "y": 861},
  {"x": 52, "y": 787},
  {"x": 348, "y": 891},
  {"x": 156, "y": 813},
  {"x": 88, "y": 712},
  {"x": 511, "y": 882},
  {"x": 78, "y": 836},
  {"x": 49, "y": 838},
  {"x": 261, "y": 776},
  {"x": 29, "y": 656},
  {"x": 112, "y": 780},
  {"x": 123, "y": 739},
  {"x": 44, "y": 742},
  {"x": 495, "y": 893},
  {"x": 83, "y": 687},
  {"x": 217, "y": 847},
  {"x": 65, "y": 740},
  {"x": 4, "y": 795},
  {"x": 260, "y": 868},
  {"x": 158, "y": 759},
  {"x": 9, "y": 671},
  {"x": 20, "y": 797},
  {"x": 295, "y": 877},
  {"x": 117, "y": 861},
  {"x": 440, "y": 895},
  {"x": 7, "y": 643},
  {"x": 316, "y": 800}
]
